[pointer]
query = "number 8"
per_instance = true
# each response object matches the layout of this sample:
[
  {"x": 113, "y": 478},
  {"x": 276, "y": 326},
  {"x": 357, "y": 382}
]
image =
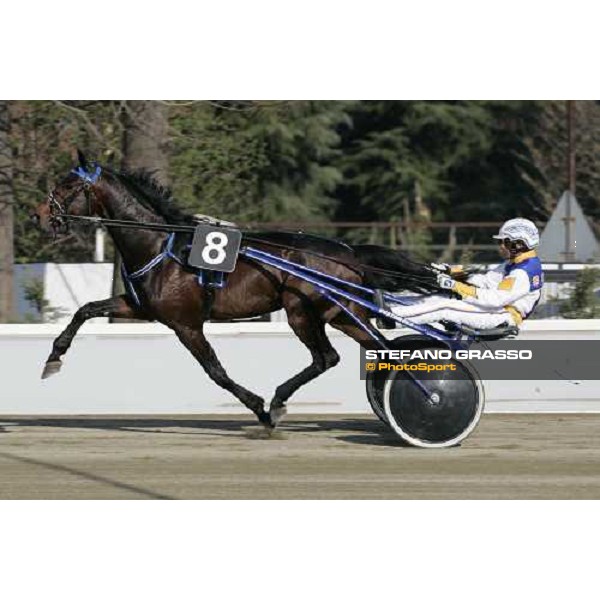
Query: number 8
[{"x": 215, "y": 242}]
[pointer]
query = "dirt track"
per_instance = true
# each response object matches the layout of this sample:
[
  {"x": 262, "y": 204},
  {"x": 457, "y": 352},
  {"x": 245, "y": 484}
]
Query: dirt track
[{"x": 513, "y": 456}]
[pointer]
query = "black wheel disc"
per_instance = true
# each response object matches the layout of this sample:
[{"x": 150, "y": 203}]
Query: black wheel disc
[
  {"x": 376, "y": 379},
  {"x": 443, "y": 418}
]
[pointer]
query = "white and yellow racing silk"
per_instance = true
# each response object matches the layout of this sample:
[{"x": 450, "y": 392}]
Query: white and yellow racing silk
[{"x": 514, "y": 285}]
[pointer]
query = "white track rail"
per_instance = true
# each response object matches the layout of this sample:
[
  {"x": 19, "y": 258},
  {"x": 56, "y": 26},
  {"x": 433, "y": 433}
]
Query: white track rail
[{"x": 143, "y": 369}]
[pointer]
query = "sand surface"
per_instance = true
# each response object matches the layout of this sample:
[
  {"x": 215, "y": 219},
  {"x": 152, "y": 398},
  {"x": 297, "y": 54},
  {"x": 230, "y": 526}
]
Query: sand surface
[{"x": 337, "y": 457}]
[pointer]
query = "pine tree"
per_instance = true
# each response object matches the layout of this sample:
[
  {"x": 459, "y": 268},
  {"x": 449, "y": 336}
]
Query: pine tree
[
  {"x": 583, "y": 303},
  {"x": 395, "y": 145},
  {"x": 258, "y": 161}
]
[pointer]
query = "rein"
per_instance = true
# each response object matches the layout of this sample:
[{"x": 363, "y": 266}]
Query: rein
[{"x": 170, "y": 228}]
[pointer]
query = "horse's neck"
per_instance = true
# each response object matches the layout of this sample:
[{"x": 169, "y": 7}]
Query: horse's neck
[{"x": 136, "y": 246}]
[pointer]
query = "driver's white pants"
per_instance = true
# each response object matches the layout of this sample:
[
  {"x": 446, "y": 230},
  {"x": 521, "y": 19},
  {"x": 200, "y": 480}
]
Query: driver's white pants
[{"x": 440, "y": 308}]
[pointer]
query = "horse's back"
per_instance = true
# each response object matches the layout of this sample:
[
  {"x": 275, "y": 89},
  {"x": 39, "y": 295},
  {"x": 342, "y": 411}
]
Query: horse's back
[{"x": 297, "y": 240}]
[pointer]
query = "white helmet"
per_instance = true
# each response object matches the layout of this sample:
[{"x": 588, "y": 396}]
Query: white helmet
[{"x": 520, "y": 229}]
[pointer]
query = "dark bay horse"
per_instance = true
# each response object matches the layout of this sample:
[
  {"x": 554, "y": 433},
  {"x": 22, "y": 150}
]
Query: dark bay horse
[{"x": 170, "y": 293}]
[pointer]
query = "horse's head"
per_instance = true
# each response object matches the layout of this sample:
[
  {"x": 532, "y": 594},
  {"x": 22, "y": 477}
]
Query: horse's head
[{"x": 71, "y": 196}]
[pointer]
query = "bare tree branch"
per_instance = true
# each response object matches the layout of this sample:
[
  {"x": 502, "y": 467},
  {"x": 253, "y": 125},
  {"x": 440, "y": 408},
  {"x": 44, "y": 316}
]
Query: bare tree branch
[{"x": 85, "y": 118}]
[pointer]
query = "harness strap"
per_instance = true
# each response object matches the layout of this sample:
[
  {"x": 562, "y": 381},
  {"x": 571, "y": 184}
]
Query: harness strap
[
  {"x": 209, "y": 299},
  {"x": 90, "y": 177},
  {"x": 129, "y": 284},
  {"x": 129, "y": 277},
  {"x": 167, "y": 252}
]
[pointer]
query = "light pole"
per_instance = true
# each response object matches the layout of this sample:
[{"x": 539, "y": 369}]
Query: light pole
[{"x": 569, "y": 255}]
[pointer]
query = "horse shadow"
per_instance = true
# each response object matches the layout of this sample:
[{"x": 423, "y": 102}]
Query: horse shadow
[{"x": 353, "y": 430}]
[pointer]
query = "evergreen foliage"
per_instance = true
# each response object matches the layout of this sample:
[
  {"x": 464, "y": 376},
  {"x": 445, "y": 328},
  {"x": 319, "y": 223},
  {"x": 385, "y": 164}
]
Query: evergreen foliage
[
  {"x": 583, "y": 302},
  {"x": 262, "y": 163},
  {"x": 319, "y": 161}
]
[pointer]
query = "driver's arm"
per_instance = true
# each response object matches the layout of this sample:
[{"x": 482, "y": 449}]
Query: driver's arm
[
  {"x": 488, "y": 280},
  {"x": 507, "y": 291}
]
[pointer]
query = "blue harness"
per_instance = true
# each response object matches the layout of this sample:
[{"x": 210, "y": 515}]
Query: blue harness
[
  {"x": 167, "y": 252},
  {"x": 90, "y": 177}
]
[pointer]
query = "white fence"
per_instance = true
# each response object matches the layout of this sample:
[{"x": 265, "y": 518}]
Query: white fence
[{"x": 143, "y": 369}]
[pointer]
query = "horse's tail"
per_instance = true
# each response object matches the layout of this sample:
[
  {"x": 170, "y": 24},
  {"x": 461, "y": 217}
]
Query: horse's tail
[{"x": 394, "y": 271}]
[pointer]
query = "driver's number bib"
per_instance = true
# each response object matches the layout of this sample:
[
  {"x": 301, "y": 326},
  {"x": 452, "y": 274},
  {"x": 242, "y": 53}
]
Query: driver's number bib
[{"x": 215, "y": 248}]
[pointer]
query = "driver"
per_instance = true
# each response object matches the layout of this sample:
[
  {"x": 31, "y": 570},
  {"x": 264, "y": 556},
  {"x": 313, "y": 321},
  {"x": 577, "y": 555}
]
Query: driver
[{"x": 504, "y": 295}]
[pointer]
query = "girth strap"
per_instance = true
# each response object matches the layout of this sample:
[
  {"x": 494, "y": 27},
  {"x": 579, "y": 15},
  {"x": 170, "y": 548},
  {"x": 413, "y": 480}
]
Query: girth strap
[
  {"x": 129, "y": 277},
  {"x": 207, "y": 280}
]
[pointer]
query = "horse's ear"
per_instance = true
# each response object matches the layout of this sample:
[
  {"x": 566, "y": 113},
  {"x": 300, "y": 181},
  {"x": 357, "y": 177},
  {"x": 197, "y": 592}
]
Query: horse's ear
[{"x": 82, "y": 160}]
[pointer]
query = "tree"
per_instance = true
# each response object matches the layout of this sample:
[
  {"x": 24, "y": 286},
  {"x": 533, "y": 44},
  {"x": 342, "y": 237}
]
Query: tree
[
  {"x": 301, "y": 142},
  {"x": 469, "y": 159},
  {"x": 583, "y": 302},
  {"x": 144, "y": 146},
  {"x": 500, "y": 182},
  {"x": 145, "y": 126},
  {"x": 44, "y": 137},
  {"x": 6, "y": 217},
  {"x": 466, "y": 156},
  {"x": 258, "y": 161},
  {"x": 547, "y": 149},
  {"x": 401, "y": 158},
  {"x": 311, "y": 160}
]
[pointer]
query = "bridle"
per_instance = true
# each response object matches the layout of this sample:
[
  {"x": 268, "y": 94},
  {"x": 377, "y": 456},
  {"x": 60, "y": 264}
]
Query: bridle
[{"x": 59, "y": 207}]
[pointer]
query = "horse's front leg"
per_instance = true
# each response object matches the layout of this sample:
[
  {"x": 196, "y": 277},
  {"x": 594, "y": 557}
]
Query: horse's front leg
[
  {"x": 119, "y": 307},
  {"x": 195, "y": 341}
]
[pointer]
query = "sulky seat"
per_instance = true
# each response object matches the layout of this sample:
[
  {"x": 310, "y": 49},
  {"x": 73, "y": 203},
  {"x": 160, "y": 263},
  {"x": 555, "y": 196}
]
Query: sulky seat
[{"x": 505, "y": 331}]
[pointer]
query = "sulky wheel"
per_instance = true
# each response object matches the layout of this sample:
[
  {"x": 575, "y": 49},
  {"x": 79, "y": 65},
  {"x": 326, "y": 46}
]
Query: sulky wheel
[
  {"x": 375, "y": 383},
  {"x": 445, "y": 417},
  {"x": 376, "y": 380}
]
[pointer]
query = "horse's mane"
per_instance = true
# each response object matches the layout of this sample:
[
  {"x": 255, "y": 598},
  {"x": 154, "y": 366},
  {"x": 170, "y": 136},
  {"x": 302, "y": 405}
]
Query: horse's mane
[
  {"x": 158, "y": 198},
  {"x": 402, "y": 272}
]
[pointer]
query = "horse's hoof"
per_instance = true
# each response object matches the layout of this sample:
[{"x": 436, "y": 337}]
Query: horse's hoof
[
  {"x": 265, "y": 419},
  {"x": 51, "y": 368},
  {"x": 277, "y": 414}
]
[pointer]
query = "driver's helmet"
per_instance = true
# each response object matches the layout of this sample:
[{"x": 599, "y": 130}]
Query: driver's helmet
[{"x": 520, "y": 229}]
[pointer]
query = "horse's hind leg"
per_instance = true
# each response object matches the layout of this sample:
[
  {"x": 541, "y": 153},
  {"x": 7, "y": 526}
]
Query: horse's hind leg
[
  {"x": 345, "y": 324},
  {"x": 311, "y": 332},
  {"x": 195, "y": 341},
  {"x": 117, "y": 306}
]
